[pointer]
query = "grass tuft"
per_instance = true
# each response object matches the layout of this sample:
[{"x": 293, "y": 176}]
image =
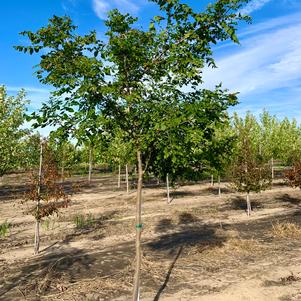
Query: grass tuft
[
  {"x": 286, "y": 230},
  {"x": 4, "y": 229},
  {"x": 84, "y": 221}
]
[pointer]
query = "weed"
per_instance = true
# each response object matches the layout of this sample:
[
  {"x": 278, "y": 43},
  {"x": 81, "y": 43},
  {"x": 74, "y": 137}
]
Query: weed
[
  {"x": 286, "y": 230},
  {"x": 48, "y": 224},
  {"x": 4, "y": 229},
  {"x": 84, "y": 221}
]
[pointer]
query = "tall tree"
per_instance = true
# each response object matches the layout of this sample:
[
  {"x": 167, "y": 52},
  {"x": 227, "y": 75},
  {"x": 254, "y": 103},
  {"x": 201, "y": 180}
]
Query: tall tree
[{"x": 136, "y": 75}]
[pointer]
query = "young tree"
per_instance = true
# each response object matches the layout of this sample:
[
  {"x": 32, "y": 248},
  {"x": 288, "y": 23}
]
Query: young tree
[
  {"x": 66, "y": 154},
  {"x": 29, "y": 151},
  {"x": 222, "y": 149},
  {"x": 44, "y": 190},
  {"x": 293, "y": 175},
  {"x": 248, "y": 171},
  {"x": 120, "y": 153},
  {"x": 136, "y": 75}
]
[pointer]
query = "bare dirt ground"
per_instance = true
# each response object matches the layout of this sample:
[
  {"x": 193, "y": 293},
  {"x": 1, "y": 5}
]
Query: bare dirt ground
[{"x": 199, "y": 247}]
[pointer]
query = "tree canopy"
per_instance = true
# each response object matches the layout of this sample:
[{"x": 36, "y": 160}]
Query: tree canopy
[{"x": 12, "y": 111}]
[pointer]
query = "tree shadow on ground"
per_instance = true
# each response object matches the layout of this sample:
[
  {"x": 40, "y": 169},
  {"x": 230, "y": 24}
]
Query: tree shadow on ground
[
  {"x": 168, "y": 274},
  {"x": 184, "y": 218},
  {"x": 40, "y": 275},
  {"x": 214, "y": 190},
  {"x": 286, "y": 198},
  {"x": 187, "y": 218},
  {"x": 191, "y": 233},
  {"x": 240, "y": 203},
  {"x": 164, "y": 225}
]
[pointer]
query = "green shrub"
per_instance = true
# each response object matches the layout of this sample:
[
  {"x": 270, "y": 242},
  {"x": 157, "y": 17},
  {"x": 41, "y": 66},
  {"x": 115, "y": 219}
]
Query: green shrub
[{"x": 4, "y": 229}]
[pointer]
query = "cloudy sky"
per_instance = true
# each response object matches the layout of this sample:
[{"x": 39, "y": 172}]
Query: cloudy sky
[{"x": 265, "y": 68}]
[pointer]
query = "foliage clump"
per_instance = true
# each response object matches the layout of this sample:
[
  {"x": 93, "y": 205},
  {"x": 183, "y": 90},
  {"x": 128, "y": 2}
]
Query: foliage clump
[
  {"x": 11, "y": 118},
  {"x": 293, "y": 175},
  {"x": 249, "y": 173},
  {"x": 46, "y": 190}
]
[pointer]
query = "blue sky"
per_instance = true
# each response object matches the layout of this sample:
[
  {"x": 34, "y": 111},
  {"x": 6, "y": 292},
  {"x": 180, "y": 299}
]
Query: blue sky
[{"x": 265, "y": 68}]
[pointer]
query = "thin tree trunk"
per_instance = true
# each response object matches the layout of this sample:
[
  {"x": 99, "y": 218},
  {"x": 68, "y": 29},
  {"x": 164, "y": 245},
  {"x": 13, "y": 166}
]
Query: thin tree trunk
[
  {"x": 37, "y": 227},
  {"x": 63, "y": 167},
  {"x": 212, "y": 182},
  {"x": 167, "y": 188},
  {"x": 90, "y": 165},
  {"x": 119, "y": 176},
  {"x": 219, "y": 186},
  {"x": 136, "y": 289},
  {"x": 127, "y": 178},
  {"x": 249, "y": 208},
  {"x": 272, "y": 162}
]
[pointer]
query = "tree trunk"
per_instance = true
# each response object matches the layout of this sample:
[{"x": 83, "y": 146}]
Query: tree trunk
[
  {"x": 119, "y": 176},
  {"x": 63, "y": 167},
  {"x": 212, "y": 183},
  {"x": 249, "y": 208},
  {"x": 127, "y": 178},
  {"x": 167, "y": 188},
  {"x": 90, "y": 165},
  {"x": 219, "y": 186},
  {"x": 37, "y": 227},
  {"x": 272, "y": 163},
  {"x": 136, "y": 289}
]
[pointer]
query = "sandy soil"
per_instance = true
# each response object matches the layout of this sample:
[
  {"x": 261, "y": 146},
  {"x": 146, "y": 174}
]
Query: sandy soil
[{"x": 199, "y": 247}]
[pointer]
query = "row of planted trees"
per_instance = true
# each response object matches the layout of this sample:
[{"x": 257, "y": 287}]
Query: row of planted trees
[{"x": 269, "y": 138}]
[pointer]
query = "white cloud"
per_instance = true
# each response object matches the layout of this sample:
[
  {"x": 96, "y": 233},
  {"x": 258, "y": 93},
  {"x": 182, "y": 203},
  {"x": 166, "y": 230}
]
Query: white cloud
[
  {"x": 27, "y": 89},
  {"x": 254, "y": 5},
  {"x": 267, "y": 61},
  {"x": 101, "y": 7}
]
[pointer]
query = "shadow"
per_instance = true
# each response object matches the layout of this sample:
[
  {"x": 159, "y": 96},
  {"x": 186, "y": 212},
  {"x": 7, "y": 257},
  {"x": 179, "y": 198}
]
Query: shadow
[
  {"x": 164, "y": 224},
  {"x": 176, "y": 193},
  {"x": 42, "y": 273},
  {"x": 279, "y": 184},
  {"x": 288, "y": 199},
  {"x": 163, "y": 286},
  {"x": 57, "y": 269},
  {"x": 187, "y": 218},
  {"x": 214, "y": 190},
  {"x": 240, "y": 203},
  {"x": 196, "y": 235}
]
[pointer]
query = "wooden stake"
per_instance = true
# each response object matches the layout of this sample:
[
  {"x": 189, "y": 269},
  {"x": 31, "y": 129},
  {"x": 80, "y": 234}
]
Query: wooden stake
[
  {"x": 167, "y": 188},
  {"x": 127, "y": 178},
  {"x": 249, "y": 208},
  {"x": 90, "y": 165},
  {"x": 119, "y": 176},
  {"x": 219, "y": 186}
]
